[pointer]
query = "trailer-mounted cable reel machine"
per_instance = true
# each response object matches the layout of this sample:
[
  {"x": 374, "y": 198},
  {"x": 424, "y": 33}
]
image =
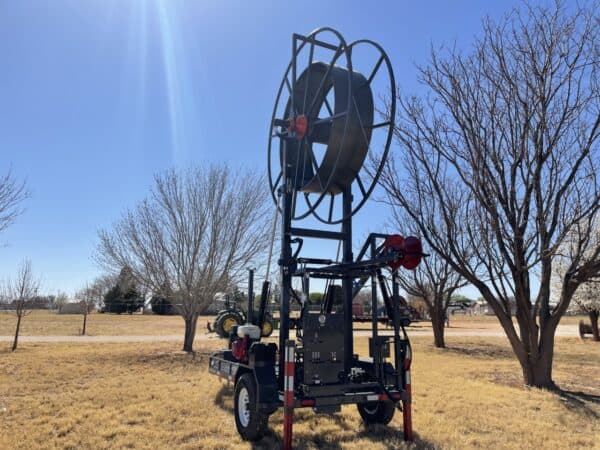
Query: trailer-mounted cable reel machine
[{"x": 329, "y": 138}]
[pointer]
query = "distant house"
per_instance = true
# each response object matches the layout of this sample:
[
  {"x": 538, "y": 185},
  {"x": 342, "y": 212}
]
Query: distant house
[
  {"x": 71, "y": 308},
  {"x": 482, "y": 308}
]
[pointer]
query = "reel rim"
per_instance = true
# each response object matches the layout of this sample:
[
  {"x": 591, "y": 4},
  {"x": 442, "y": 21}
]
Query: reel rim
[{"x": 341, "y": 50}]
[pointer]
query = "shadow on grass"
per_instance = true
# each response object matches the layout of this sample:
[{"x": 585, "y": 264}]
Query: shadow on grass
[
  {"x": 224, "y": 398},
  {"x": 461, "y": 328},
  {"x": 390, "y": 438},
  {"x": 162, "y": 359},
  {"x": 481, "y": 351},
  {"x": 387, "y": 437},
  {"x": 270, "y": 440},
  {"x": 588, "y": 404},
  {"x": 24, "y": 347}
]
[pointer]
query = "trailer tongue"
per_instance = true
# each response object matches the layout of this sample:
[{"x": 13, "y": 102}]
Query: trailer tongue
[{"x": 332, "y": 106}]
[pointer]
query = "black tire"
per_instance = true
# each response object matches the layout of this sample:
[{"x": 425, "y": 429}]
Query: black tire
[
  {"x": 267, "y": 328},
  {"x": 225, "y": 321},
  {"x": 250, "y": 423},
  {"x": 377, "y": 412},
  {"x": 214, "y": 324}
]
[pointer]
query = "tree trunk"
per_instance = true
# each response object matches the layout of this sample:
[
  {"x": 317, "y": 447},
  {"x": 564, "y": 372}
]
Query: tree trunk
[
  {"x": 537, "y": 370},
  {"x": 84, "y": 323},
  {"x": 534, "y": 351},
  {"x": 15, "y": 342},
  {"x": 437, "y": 323},
  {"x": 190, "y": 333},
  {"x": 594, "y": 319}
]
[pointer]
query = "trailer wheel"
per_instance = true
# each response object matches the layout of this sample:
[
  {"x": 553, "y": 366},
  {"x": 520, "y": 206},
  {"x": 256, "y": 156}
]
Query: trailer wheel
[
  {"x": 250, "y": 423},
  {"x": 380, "y": 412},
  {"x": 267, "y": 328},
  {"x": 225, "y": 322}
]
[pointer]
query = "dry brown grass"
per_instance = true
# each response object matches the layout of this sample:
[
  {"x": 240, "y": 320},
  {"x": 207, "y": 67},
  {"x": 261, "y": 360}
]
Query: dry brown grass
[
  {"x": 463, "y": 320},
  {"x": 153, "y": 396},
  {"x": 46, "y": 323}
]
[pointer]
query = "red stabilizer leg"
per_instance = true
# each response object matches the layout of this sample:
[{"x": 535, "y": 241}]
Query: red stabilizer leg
[
  {"x": 288, "y": 394},
  {"x": 407, "y": 400}
]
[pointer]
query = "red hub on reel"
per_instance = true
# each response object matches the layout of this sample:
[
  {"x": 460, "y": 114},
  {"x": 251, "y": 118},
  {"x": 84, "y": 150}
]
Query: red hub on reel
[
  {"x": 410, "y": 247},
  {"x": 298, "y": 126}
]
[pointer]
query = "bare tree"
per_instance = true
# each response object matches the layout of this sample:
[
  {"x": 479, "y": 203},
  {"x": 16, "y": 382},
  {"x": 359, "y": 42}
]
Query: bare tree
[
  {"x": 60, "y": 300},
  {"x": 434, "y": 281},
  {"x": 89, "y": 297},
  {"x": 104, "y": 283},
  {"x": 20, "y": 292},
  {"x": 500, "y": 166},
  {"x": 12, "y": 193},
  {"x": 193, "y": 236}
]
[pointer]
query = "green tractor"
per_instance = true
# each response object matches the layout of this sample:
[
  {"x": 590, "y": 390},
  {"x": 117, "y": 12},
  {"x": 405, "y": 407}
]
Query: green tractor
[{"x": 231, "y": 315}]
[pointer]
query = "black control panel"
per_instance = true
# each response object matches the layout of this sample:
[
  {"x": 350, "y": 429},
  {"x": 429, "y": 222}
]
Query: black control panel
[{"x": 323, "y": 342}]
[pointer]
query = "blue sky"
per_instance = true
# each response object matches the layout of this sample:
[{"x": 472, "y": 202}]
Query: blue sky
[{"x": 97, "y": 96}]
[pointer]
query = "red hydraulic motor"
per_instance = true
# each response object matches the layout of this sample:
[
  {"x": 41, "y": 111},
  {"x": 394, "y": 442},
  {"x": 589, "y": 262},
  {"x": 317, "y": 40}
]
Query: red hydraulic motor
[{"x": 246, "y": 335}]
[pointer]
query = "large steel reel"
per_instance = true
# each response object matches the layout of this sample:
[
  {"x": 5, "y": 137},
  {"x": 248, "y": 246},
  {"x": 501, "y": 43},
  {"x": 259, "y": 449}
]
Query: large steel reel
[
  {"x": 346, "y": 148},
  {"x": 332, "y": 107}
]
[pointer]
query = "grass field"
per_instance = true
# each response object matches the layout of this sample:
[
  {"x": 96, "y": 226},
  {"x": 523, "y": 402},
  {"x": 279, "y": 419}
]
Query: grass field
[
  {"x": 45, "y": 323},
  {"x": 153, "y": 396}
]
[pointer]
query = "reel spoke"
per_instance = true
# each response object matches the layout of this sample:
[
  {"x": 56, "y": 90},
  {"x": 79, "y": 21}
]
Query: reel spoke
[
  {"x": 328, "y": 106},
  {"x": 338, "y": 52},
  {"x": 288, "y": 85},
  {"x": 379, "y": 125},
  {"x": 315, "y": 167},
  {"x": 330, "y": 119},
  {"x": 294, "y": 200},
  {"x": 294, "y": 62},
  {"x": 321, "y": 128},
  {"x": 310, "y": 60},
  {"x": 361, "y": 186},
  {"x": 277, "y": 180},
  {"x": 375, "y": 69}
]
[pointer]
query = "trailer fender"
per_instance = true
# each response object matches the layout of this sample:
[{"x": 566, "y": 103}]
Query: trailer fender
[
  {"x": 266, "y": 383},
  {"x": 262, "y": 360}
]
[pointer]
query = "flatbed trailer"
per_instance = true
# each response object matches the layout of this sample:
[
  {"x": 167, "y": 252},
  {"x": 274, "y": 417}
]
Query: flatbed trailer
[{"x": 224, "y": 365}]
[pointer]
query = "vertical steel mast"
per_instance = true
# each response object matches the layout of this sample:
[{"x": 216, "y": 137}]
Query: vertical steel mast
[
  {"x": 323, "y": 128},
  {"x": 285, "y": 191}
]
